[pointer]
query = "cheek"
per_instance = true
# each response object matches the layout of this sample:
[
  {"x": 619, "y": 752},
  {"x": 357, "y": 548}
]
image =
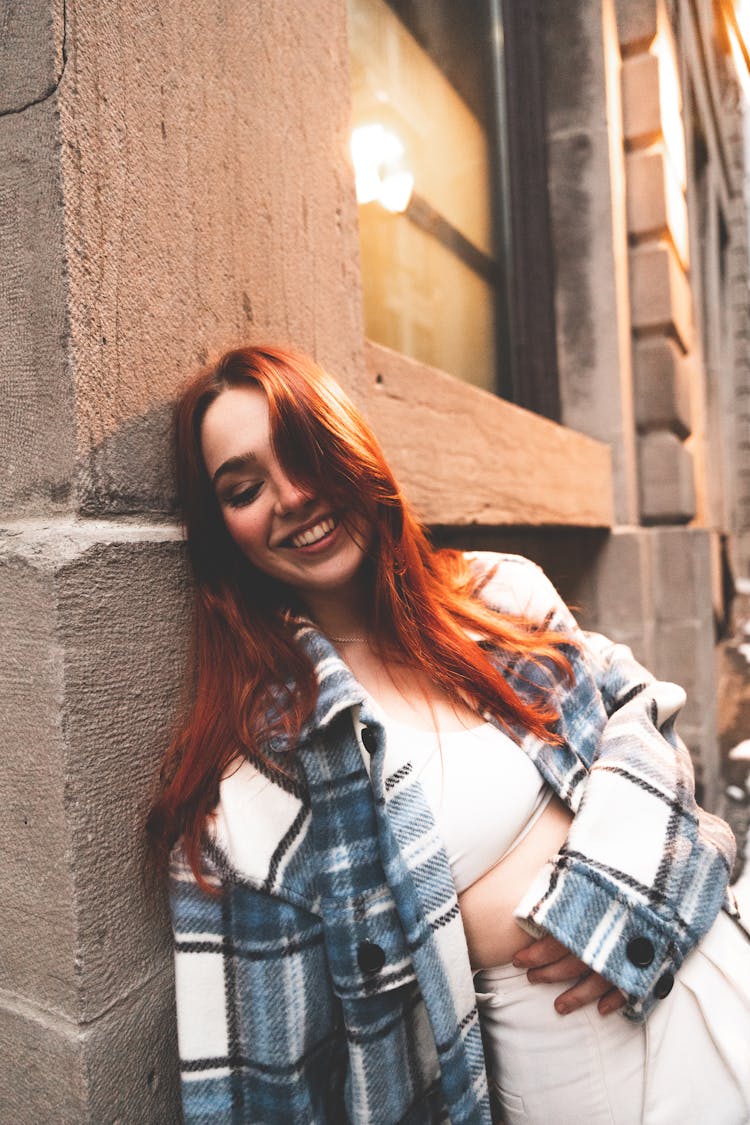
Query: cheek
[{"x": 246, "y": 528}]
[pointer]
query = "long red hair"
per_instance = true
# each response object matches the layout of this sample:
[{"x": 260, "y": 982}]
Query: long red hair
[{"x": 245, "y": 655}]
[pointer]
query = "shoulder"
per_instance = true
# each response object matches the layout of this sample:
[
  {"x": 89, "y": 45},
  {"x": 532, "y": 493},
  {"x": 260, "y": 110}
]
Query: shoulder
[
  {"x": 258, "y": 833},
  {"x": 515, "y": 585}
]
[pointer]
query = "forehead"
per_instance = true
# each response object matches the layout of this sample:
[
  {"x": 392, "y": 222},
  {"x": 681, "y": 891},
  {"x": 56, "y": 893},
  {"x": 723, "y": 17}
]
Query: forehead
[{"x": 234, "y": 424}]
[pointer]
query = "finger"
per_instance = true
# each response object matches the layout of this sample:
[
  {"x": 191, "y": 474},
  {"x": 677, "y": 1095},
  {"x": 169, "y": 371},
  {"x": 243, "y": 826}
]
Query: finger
[
  {"x": 588, "y": 989},
  {"x": 611, "y": 1001},
  {"x": 542, "y": 952},
  {"x": 567, "y": 968}
]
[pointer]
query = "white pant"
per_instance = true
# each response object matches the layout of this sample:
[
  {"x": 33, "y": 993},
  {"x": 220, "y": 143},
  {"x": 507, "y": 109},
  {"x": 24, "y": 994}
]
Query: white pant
[{"x": 688, "y": 1065}]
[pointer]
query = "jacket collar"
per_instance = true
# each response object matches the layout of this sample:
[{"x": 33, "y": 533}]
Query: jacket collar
[{"x": 337, "y": 687}]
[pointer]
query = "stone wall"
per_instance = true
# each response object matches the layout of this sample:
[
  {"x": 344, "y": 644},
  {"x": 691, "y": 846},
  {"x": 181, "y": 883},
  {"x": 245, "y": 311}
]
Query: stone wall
[{"x": 166, "y": 189}]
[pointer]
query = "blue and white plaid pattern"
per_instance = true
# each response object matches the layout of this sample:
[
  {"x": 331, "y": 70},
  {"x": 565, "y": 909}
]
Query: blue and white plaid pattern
[{"x": 330, "y": 981}]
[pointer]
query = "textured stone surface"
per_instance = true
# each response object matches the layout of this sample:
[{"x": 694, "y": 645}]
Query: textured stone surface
[
  {"x": 121, "y": 1068},
  {"x": 122, "y": 623},
  {"x": 36, "y": 420},
  {"x": 667, "y": 483},
  {"x": 659, "y": 292},
  {"x": 95, "y": 651},
  {"x": 43, "y": 1073},
  {"x": 684, "y": 649},
  {"x": 641, "y": 114},
  {"x": 38, "y": 948},
  {"x": 661, "y": 384},
  {"x": 587, "y": 210},
  {"x": 622, "y": 593},
  {"x": 472, "y": 458},
  {"x": 209, "y": 200},
  {"x": 636, "y": 22},
  {"x": 31, "y": 53},
  {"x": 656, "y": 204}
]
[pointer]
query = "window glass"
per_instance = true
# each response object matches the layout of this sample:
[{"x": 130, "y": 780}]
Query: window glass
[{"x": 423, "y": 151}]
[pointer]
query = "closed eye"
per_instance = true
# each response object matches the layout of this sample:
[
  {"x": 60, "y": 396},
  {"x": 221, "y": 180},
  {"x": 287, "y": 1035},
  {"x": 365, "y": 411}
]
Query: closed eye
[{"x": 244, "y": 496}]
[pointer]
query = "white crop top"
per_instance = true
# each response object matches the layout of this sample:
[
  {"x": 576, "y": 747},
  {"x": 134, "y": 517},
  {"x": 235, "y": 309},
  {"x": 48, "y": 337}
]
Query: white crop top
[{"x": 485, "y": 794}]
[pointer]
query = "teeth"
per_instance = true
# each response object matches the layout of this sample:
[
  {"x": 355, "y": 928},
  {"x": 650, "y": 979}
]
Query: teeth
[{"x": 313, "y": 534}]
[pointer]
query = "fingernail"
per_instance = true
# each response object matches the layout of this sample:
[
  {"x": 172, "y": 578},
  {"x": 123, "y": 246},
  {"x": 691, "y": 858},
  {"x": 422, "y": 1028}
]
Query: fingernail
[{"x": 562, "y": 1008}]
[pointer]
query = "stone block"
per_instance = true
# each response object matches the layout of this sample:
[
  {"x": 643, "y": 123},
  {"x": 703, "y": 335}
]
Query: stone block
[
  {"x": 682, "y": 575},
  {"x": 130, "y": 1059},
  {"x": 123, "y": 623},
  {"x": 106, "y": 605},
  {"x": 636, "y": 23},
  {"x": 37, "y": 938},
  {"x": 37, "y": 431},
  {"x": 490, "y": 462},
  {"x": 666, "y": 481},
  {"x": 121, "y": 1068},
  {"x": 621, "y": 580},
  {"x": 685, "y": 655},
  {"x": 31, "y": 52},
  {"x": 43, "y": 1073},
  {"x": 682, "y": 567},
  {"x": 655, "y": 201},
  {"x": 662, "y": 379},
  {"x": 641, "y": 113},
  {"x": 660, "y": 296},
  {"x": 573, "y": 63},
  {"x": 591, "y": 303}
]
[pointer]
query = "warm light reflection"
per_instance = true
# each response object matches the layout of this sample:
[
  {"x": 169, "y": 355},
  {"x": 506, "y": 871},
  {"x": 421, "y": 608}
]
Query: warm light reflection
[
  {"x": 738, "y": 57},
  {"x": 742, "y": 15},
  {"x": 670, "y": 101},
  {"x": 380, "y": 175}
]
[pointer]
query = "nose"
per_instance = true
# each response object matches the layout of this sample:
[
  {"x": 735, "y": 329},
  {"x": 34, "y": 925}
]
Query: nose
[{"x": 289, "y": 495}]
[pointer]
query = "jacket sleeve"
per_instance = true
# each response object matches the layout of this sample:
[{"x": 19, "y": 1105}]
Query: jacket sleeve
[
  {"x": 644, "y": 870},
  {"x": 259, "y": 1033}
]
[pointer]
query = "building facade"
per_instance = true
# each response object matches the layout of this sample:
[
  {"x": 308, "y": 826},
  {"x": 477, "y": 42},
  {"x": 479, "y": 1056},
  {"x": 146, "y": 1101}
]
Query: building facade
[{"x": 539, "y": 301}]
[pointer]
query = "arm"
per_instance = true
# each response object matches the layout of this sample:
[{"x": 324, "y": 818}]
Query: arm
[
  {"x": 259, "y": 1031},
  {"x": 644, "y": 871}
]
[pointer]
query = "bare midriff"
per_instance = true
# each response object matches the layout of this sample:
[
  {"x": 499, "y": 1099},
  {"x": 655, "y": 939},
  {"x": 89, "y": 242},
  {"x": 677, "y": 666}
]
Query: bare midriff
[{"x": 492, "y": 933}]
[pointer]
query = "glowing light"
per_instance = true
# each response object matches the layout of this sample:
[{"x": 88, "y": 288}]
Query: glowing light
[
  {"x": 670, "y": 102},
  {"x": 742, "y": 15},
  {"x": 380, "y": 175}
]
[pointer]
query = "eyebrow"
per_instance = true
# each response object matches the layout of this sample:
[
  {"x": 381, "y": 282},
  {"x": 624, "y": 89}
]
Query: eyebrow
[{"x": 234, "y": 465}]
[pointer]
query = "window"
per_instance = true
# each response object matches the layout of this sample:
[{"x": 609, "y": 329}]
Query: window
[{"x": 432, "y": 142}]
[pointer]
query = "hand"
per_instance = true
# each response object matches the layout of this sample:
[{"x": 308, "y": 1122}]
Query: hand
[{"x": 550, "y": 961}]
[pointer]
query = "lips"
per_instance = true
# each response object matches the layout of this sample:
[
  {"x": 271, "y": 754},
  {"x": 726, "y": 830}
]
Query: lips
[{"x": 311, "y": 534}]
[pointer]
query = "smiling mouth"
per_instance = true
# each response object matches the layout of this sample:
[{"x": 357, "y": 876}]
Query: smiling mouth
[{"x": 313, "y": 534}]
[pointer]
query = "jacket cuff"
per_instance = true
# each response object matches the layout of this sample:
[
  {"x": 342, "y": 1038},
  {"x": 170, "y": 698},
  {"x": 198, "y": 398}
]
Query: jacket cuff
[{"x": 625, "y": 941}]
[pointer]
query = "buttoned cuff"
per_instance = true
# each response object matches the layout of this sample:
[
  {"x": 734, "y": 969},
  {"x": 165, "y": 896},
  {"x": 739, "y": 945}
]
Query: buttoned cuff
[{"x": 624, "y": 941}]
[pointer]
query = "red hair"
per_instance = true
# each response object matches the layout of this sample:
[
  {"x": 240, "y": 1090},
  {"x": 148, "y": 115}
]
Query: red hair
[{"x": 245, "y": 655}]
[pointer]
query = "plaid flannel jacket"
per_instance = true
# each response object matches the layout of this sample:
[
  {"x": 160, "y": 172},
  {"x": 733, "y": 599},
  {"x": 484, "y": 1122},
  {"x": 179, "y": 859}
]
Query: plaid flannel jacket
[{"x": 330, "y": 980}]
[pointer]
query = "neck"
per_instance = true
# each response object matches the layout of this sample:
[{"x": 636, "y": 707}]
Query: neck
[{"x": 340, "y": 613}]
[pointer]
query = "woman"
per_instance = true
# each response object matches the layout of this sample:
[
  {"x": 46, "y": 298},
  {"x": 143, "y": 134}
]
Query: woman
[{"x": 403, "y": 767}]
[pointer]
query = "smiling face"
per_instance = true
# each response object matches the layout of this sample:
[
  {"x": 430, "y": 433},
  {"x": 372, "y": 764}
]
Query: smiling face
[{"x": 287, "y": 531}]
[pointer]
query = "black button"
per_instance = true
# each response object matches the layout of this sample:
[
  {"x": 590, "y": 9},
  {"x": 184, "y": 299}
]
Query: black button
[
  {"x": 368, "y": 740},
  {"x": 640, "y": 952},
  {"x": 663, "y": 986},
  {"x": 370, "y": 957}
]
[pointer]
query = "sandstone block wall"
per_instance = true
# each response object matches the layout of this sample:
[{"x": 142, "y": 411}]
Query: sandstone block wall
[{"x": 170, "y": 183}]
